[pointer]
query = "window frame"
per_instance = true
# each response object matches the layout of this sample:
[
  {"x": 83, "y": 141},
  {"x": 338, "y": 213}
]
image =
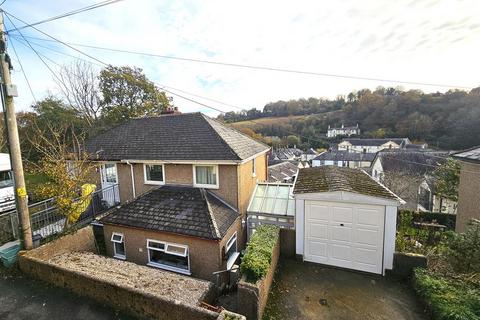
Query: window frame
[
  {"x": 165, "y": 250},
  {"x": 231, "y": 260},
  {"x": 153, "y": 182},
  {"x": 122, "y": 241},
  {"x": 206, "y": 186}
]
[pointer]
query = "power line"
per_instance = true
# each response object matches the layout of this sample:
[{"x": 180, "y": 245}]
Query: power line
[
  {"x": 67, "y": 14},
  {"x": 264, "y": 68},
  {"x": 24, "y": 73}
]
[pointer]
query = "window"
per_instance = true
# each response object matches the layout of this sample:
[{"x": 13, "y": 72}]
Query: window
[
  {"x": 231, "y": 251},
  {"x": 254, "y": 167},
  {"x": 118, "y": 246},
  {"x": 110, "y": 172},
  {"x": 205, "y": 176},
  {"x": 169, "y": 256},
  {"x": 6, "y": 179},
  {"x": 154, "y": 173}
]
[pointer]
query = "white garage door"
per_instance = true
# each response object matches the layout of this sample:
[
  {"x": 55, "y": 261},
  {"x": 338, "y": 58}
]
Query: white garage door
[{"x": 344, "y": 235}]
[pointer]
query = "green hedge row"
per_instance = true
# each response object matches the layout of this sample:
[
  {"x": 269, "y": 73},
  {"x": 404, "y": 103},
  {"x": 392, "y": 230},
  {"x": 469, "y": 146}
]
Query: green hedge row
[
  {"x": 259, "y": 252},
  {"x": 447, "y": 299},
  {"x": 447, "y": 219}
]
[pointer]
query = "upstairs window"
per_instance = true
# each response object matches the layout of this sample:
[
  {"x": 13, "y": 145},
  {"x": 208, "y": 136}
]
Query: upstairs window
[
  {"x": 205, "y": 176},
  {"x": 154, "y": 173},
  {"x": 118, "y": 246}
]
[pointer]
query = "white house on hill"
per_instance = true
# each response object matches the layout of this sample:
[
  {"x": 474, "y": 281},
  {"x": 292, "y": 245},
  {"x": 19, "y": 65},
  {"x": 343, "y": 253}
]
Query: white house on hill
[
  {"x": 373, "y": 145},
  {"x": 342, "y": 131}
]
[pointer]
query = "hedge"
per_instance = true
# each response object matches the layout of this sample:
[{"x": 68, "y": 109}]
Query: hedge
[
  {"x": 447, "y": 299},
  {"x": 258, "y": 255},
  {"x": 446, "y": 219}
]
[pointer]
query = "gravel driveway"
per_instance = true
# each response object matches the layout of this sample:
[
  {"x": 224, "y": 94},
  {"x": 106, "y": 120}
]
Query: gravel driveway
[{"x": 310, "y": 291}]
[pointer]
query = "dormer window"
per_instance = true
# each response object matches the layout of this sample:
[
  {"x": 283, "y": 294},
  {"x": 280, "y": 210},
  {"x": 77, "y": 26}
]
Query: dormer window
[{"x": 205, "y": 176}]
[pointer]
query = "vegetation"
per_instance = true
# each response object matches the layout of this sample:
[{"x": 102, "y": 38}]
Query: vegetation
[
  {"x": 448, "y": 120},
  {"x": 447, "y": 179},
  {"x": 258, "y": 255}
]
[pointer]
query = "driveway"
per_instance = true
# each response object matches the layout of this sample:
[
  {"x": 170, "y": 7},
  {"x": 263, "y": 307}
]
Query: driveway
[
  {"x": 310, "y": 291},
  {"x": 24, "y": 298}
]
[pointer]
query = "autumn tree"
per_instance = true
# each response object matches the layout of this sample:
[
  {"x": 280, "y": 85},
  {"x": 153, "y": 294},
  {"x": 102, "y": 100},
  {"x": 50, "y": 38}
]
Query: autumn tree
[
  {"x": 447, "y": 179},
  {"x": 127, "y": 93}
]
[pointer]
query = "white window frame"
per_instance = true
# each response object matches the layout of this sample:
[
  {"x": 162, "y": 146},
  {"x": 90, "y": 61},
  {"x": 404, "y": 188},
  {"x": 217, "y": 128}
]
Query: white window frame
[
  {"x": 254, "y": 167},
  {"x": 234, "y": 257},
  {"x": 207, "y": 186},
  {"x": 165, "y": 246},
  {"x": 146, "y": 181},
  {"x": 122, "y": 240}
]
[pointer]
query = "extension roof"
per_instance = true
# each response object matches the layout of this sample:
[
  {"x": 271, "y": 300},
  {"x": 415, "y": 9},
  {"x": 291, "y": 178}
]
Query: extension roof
[
  {"x": 469, "y": 155},
  {"x": 181, "y": 210},
  {"x": 376, "y": 142},
  {"x": 188, "y": 136},
  {"x": 333, "y": 178},
  {"x": 344, "y": 155}
]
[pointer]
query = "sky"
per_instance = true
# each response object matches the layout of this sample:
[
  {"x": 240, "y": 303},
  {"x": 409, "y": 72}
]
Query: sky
[{"x": 422, "y": 41}]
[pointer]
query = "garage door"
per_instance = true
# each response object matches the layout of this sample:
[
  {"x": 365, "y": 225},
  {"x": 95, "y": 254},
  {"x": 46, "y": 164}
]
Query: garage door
[{"x": 344, "y": 235}]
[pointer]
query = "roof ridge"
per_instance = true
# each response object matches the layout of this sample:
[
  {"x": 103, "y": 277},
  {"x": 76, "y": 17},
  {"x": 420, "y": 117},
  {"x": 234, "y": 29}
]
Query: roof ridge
[{"x": 216, "y": 231}]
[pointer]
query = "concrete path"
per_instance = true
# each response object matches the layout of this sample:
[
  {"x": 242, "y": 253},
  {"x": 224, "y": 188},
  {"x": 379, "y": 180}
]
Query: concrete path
[
  {"x": 22, "y": 298},
  {"x": 310, "y": 291}
]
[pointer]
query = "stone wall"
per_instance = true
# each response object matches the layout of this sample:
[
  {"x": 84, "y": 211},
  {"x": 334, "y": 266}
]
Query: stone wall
[
  {"x": 404, "y": 263},
  {"x": 253, "y": 297},
  {"x": 141, "y": 302}
]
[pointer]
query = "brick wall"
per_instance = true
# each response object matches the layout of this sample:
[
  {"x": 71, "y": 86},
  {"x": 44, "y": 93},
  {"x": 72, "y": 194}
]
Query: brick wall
[{"x": 468, "y": 195}]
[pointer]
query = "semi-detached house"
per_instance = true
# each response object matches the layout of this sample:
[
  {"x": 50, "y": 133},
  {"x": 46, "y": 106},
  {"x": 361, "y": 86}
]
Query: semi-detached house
[{"x": 184, "y": 183}]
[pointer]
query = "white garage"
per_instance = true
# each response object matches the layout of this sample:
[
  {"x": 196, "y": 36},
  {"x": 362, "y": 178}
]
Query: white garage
[{"x": 345, "y": 219}]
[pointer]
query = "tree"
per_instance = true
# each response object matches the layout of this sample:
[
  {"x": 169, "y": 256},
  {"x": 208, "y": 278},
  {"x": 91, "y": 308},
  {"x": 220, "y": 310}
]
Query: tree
[
  {"x": 3, "y": 134},
  {"x": 447, "y": 179},
  {"x": 293, "y": 140},
  {"x": 127, "y": 93}
]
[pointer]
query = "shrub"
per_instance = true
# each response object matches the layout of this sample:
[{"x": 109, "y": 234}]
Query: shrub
[
  {"x": 463, "y": 249},
  {"x": 447, "y": 299},
  {"x": 258, "y": 255}
]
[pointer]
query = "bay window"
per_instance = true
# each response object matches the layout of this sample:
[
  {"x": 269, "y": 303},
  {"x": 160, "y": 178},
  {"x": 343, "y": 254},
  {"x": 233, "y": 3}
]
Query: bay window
[
  {"x": 154, "y": 173},
  {"x": 205, "y": 176},
  {"x": 168, "y": 256}
]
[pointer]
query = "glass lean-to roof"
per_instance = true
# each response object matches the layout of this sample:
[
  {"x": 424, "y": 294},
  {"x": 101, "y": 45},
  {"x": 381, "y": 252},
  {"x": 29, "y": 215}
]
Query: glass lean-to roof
[{"x": 273, "y": 198}]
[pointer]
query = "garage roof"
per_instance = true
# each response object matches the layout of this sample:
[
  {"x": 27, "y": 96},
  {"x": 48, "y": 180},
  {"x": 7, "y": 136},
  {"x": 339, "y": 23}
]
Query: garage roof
[{"x": 333, "y": 178}]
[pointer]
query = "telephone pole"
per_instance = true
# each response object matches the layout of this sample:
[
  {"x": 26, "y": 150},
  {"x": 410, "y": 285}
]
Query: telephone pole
[{"x": 8, "y": 92}]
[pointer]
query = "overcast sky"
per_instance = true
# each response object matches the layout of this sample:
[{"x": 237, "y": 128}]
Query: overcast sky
[{"x": 427, "y": 41}]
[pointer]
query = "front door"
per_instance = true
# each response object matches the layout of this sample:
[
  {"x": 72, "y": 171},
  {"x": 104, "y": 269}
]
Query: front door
[{"x": 109, "y": 178}]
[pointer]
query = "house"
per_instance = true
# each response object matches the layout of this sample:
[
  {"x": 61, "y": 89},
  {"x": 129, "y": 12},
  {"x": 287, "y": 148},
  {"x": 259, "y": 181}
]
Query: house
[
  {"x": 372, "y": 145},
  {"x": 343, "y": 158},
  {"x": 342, "y": 131},
  {"x": 468, "y": 196},
  {"x": 168, "y": 168},
  {"x": 410, "y": 175},
  {"x": 282, "y": 172},
  {"x": 309, "y": 155},
  {"x": 344, "y": 218},
  {"x": 285, "y": 154}
]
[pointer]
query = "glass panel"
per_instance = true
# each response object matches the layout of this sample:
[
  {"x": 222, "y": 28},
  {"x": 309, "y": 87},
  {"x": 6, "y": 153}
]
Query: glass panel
[
  {"x": 6, "y": 179},
  {"x": 205, "y": 175},
  {"x": 170, "y": 260},
  {"x": 231, "y": 251},
  {"x": 117, "y": 237},
  {"x": 256, "y": 203},
  {"x": 280, "y": 206},
  {"x": 154, "y": 172},
  {"x": 268, "y": 205},
  {"x": 232, "y": 242},
  {"x": 260, "y": 190},
  {"x": 283, "y": 192},
  {"x": 176, "y": 250},
  {"x": 110, "y": 173},
  {"x": 291, "y": 207},
  {"x": 272, "y": 191},
  {"x": 156, "y": 245},
  {"x": 119, "y": 248}
]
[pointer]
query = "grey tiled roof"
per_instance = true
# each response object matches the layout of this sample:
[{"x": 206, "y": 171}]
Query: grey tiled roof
[
  {"x": 376, "y": 142},
  {"x": 282, "y": 171},
  {"x": 189, "y": 136},
  {"x": 333, "y": 178},
  {"x": 182, "y": 210},
  {"x": 344, "y": 155},
  {"x": 471, "y": 155},
  {"x": 411, "y": 162}
]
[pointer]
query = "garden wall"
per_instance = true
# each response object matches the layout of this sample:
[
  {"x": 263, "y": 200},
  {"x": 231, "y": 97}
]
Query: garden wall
[
  {"x": 287, "y": 243},
  {"x": 252, "y": 297},
  {"x": 70, "y": 262},
  {"x": 405, "y": 263}
]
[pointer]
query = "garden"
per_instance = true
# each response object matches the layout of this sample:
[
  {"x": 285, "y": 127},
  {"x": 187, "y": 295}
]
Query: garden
[{"x": 450, "y": 285}]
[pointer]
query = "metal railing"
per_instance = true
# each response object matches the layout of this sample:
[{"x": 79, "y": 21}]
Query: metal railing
[{"x": 46, "y": 219}]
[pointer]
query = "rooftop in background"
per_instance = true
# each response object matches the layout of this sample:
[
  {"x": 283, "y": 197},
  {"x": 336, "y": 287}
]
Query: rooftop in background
[
  {"x": 188, "y": 136},
  {"x": 411, "y": 161},
  {"x": 377, "y": 142},
  {"x": 273, "y": 198},
  {"x": 469, "y": 155},
  {"x": 344, "y": 155},
  {"x": 333, "y": 178},
  {"x": 182, "y": 210},
  {"x": 282, "y": 171}
]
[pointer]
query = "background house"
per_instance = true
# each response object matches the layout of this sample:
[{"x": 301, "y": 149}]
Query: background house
[
  {"x": 342, "y": 131},
  {"x": 343, "y": 158},
  {"x": 282, "y": 172},
  {"x": 468, "y": 190},
  {"x": 372, "y": 145}
]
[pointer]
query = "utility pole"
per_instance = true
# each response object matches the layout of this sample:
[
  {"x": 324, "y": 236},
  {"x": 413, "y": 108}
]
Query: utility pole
[{"x": 8, "y": 92}]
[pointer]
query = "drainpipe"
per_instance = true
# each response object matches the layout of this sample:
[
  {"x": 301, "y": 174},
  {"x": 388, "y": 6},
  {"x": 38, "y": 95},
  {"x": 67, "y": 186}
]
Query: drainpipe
[{"x": 133, "y": 179}]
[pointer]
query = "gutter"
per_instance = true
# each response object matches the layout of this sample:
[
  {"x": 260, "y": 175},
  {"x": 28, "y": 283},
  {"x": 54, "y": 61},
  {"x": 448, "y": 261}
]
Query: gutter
[{"x": 133, "y": 179}]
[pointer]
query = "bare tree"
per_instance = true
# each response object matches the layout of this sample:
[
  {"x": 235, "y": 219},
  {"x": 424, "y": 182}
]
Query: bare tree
[
  {"x": 79, "y": 85},
  {"x": 405, "y": 185}
]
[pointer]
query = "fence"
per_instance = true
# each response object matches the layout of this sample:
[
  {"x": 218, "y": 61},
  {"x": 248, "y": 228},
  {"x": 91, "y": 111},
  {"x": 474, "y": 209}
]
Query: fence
[{"x": 46, "y": 220}]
